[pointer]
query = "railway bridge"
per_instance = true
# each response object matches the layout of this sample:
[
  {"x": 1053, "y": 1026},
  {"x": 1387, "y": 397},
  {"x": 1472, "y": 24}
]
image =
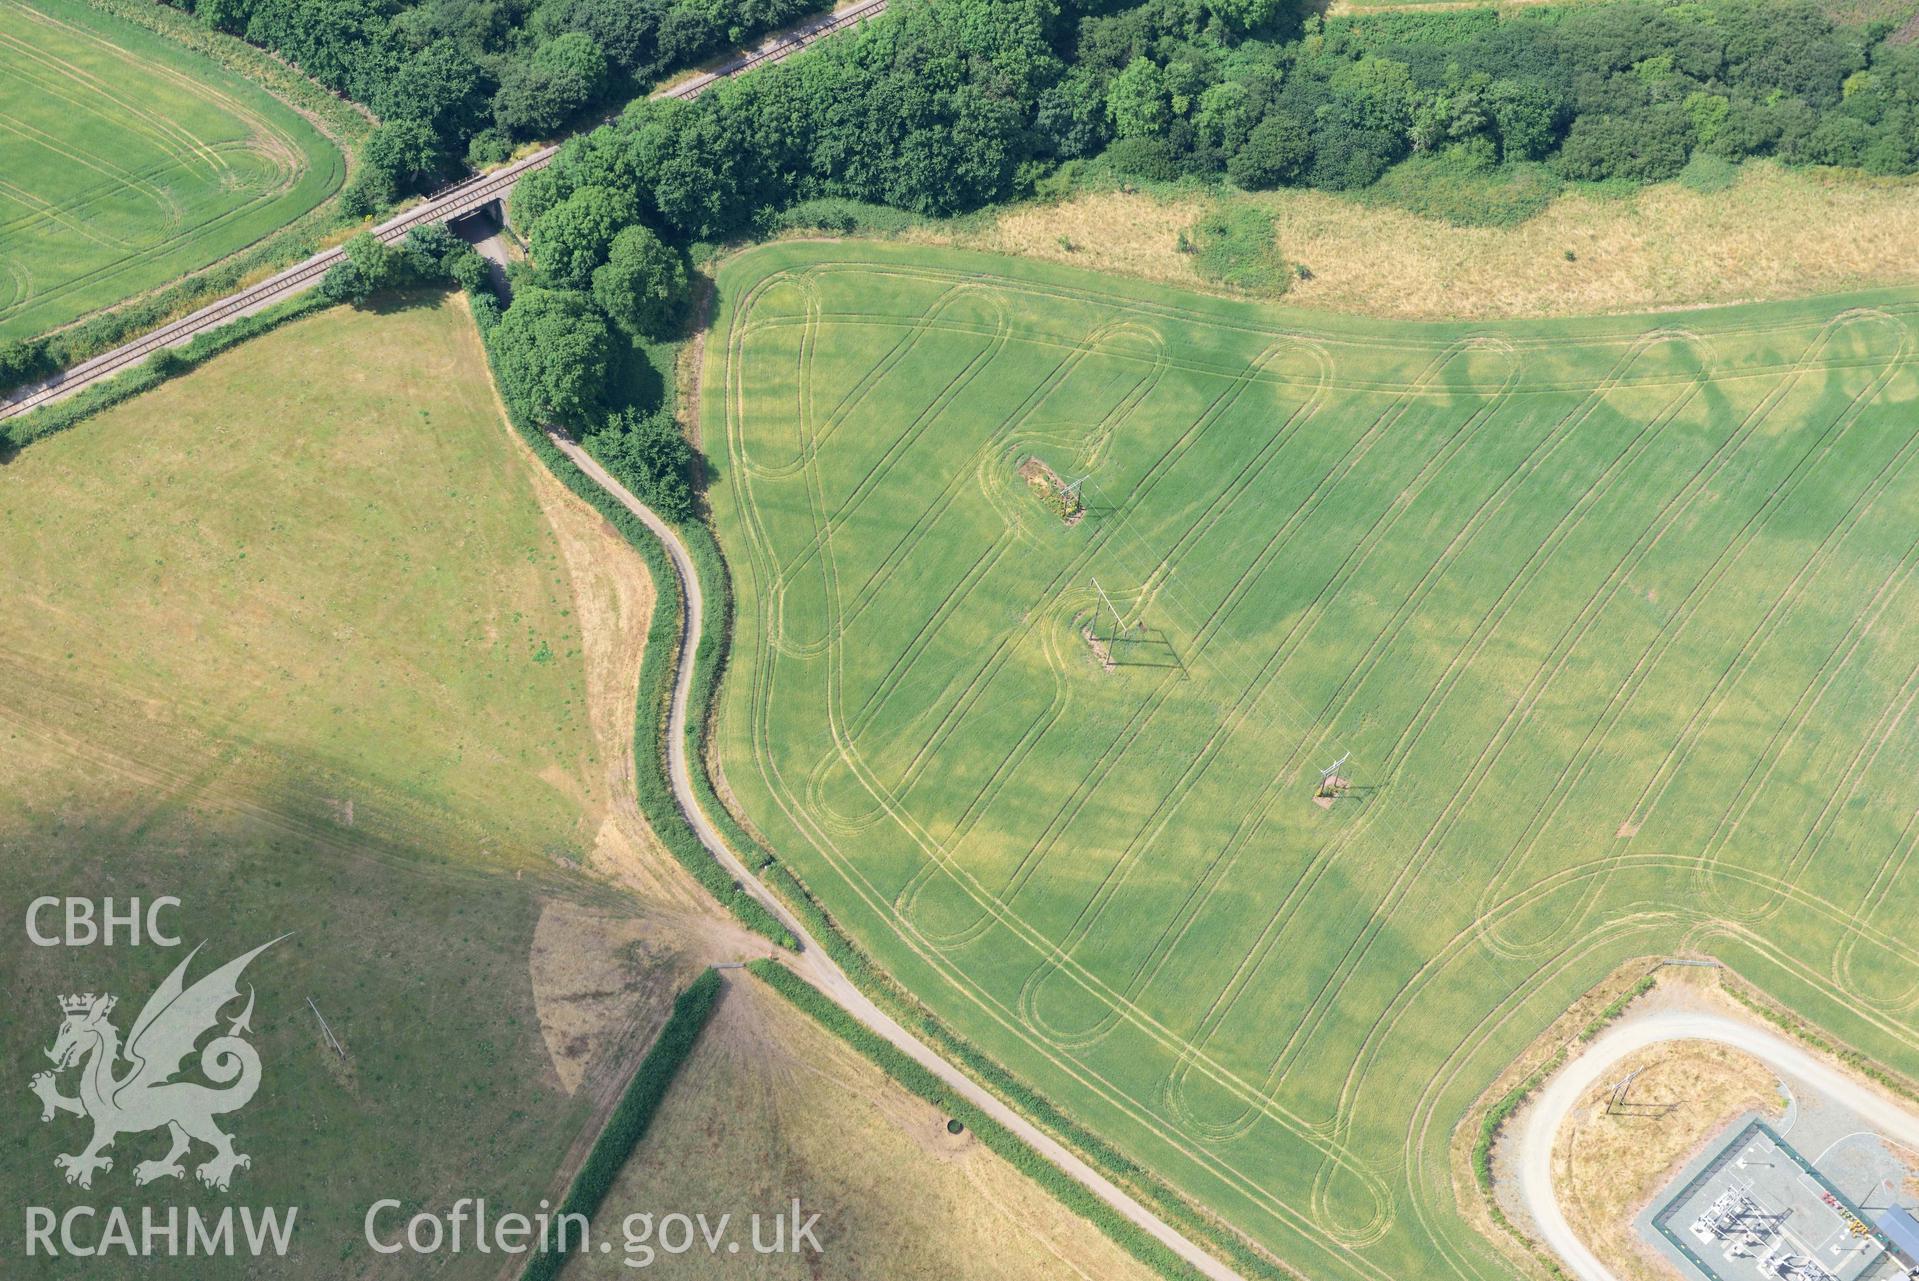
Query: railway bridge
[{"x": 462, "y": 199}]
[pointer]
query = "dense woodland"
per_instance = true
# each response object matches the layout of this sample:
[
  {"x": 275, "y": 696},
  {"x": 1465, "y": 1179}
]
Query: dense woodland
[
  {"x": 947, "y": 105},
  {"x": 944, "y": 106},
  {"x": 950, "y": 104},
  {"x": 458, "y": 82}
]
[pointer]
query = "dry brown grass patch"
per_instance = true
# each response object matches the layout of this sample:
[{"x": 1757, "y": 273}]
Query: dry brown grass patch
[
  {"x": 1609, "y": 1162},
  {"x": 594, "y": 975},
  {"x": 1776, "y": 233}
]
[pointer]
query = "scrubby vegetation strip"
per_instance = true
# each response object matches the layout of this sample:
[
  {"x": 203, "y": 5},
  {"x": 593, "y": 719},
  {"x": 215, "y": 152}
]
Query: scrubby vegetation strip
[
  {"x": 1499, "y": 1113},
  {"x": 634, "y": 1113}
]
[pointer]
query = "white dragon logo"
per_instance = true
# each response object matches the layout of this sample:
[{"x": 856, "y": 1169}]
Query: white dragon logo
[{"x": 146, "y": 1097}]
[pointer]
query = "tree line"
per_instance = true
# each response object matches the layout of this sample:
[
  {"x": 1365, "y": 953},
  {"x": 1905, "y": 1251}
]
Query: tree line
[
  {"x": 1620, "y": 91},
  {"x": 946, "y": 105},
  {"x": 457, "y": 83}
]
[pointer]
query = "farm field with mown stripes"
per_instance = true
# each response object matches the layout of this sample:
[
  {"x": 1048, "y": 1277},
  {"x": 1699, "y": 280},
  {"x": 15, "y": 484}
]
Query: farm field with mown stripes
[
  {"x": 127, "y": 162},
  {"x": 1615, "y": 619}
]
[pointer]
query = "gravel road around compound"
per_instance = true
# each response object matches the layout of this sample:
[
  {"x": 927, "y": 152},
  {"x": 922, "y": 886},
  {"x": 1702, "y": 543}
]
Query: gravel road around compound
[{"x": 1533, "y": 1158}]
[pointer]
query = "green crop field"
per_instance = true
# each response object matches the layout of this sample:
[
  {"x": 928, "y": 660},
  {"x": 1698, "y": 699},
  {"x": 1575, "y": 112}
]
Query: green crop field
[
  {"x": 126, "y": 162},
  {"x": 1617, "y": 620}
]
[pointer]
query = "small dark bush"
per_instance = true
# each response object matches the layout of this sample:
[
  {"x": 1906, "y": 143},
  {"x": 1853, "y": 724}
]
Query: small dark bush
[{"x": 1148, "y": 158}]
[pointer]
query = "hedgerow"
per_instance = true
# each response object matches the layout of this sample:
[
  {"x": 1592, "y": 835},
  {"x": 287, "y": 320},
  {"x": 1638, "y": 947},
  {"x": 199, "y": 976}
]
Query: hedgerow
[
  {"x": 1494, "y": 1121},
  {"x": 634, "y": 1112},
  {"x": 651, "y": 782},
  {"x": 1071, "y": 1193}
]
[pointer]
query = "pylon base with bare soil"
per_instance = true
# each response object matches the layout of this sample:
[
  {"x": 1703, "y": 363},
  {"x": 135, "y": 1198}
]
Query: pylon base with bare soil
[{"x": 1331, "y": 790}]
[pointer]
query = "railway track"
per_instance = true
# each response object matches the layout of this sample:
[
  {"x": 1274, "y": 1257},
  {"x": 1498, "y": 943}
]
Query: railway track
[{"x": 451, "y": 202}]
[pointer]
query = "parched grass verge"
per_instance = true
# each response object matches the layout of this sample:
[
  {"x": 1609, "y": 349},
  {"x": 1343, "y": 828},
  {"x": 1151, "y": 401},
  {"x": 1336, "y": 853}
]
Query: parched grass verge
[
  {"x": 915, "y": 1078},
  {"x": 1773, "y": 233},
  {"x": 633, "y": 1114}
]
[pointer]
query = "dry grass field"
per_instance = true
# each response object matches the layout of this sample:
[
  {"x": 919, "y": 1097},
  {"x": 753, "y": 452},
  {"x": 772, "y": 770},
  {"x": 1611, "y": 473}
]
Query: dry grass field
[
  {"x": 1777, "y": 233},
  {"x": 248, "y": 550},
  {"x": 772, "y": 1107},
  {"x": 293, "y": 639},
  {"x": 1611, "y": 1160}
]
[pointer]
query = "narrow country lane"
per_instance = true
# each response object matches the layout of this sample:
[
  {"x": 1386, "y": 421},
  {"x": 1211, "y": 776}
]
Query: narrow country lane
[
  {"x": 813, "y": 964},
  {"x": 1632, "y": 1034}
]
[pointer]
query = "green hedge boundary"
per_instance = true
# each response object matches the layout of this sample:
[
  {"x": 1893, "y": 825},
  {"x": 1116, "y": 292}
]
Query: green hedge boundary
[
  {"x": 633, "y": 1113},
  {"x": 650, "y": 778},
  {"x": 1075, "y": 1196},
  {"x": 168, "y": 362}
]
